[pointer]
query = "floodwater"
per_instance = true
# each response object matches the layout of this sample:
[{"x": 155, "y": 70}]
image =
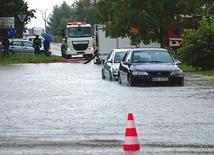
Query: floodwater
[{"x": 67, "y": 108}]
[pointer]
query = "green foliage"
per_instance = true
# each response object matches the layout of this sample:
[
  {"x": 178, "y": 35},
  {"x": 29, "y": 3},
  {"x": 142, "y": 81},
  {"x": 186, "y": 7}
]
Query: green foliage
[
  {"x": 29, "y": 58},
  {"x": 154, "y": 18},
  {"x": 194, "y": 70},
  {"x": 59, "y": 12},
  {"x": 57, "y": 39},
  {"x": 61, "y": 15},
  {"x": 198, "y": 46},
  {"x": 11, "y": 8}
]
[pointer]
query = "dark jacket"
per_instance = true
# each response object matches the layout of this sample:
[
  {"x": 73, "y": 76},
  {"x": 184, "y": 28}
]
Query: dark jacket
[
  {"x": 46, "y": 45},
  {"x": 5, "y": 42},
  {"x": 36, "y": 43}
]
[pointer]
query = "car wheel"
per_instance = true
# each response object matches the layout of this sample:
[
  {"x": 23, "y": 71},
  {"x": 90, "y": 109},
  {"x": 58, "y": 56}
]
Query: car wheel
[
  {"x": 181, "y": 83},
  {"x": 129, "y": 79},
  {"x": 103, "y": 76},
  {"x": 110, "y": 76},
  {"x": 119, "y": 79}
]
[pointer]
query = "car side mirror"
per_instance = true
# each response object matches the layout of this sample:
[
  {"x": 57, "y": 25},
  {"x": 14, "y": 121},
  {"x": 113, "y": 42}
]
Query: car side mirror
[
  {"x": 177, "y": 62},
  {"x": 109, "y": 60},
  {"x": 126, "y": 63}
]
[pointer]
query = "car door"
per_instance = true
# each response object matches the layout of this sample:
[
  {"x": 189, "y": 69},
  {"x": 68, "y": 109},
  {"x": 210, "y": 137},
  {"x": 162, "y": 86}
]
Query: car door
[
  {"x": 107, "y": 64},
  {"x": 28, "y": 47},
  {"x": 16, "y": 47},
  {"x": 124, "y": 67}
]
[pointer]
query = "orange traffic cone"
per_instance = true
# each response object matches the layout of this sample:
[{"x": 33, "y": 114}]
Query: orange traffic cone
[{"x": 131, "y": 140}]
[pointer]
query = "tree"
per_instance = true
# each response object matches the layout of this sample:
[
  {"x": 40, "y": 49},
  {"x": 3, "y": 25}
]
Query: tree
[
  {"x": 17, "y": 7},
  {"x": 45, "y": 17},
  {"x": 207, "y": 8},
  {"x": 152, "y": 18},
  {"x": 79, "y": 11},
  {"x": 85, "y": 11},
  {"x": 59, "y": 12},
  {"x": 198, "y": 46}
]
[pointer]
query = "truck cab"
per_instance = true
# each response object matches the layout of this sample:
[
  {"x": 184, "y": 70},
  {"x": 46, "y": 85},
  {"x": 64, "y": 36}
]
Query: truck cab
[{"x": 79, "y": 39}]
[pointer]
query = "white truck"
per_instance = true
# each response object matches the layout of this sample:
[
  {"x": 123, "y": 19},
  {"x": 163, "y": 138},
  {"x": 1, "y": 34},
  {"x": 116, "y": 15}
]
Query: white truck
[
  {"x": 79, "y": 39},
  {"x": 106, "y": 44}
]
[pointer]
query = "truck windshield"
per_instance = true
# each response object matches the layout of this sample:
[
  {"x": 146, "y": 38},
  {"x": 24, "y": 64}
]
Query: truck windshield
[{"x": 76, "y": 32}]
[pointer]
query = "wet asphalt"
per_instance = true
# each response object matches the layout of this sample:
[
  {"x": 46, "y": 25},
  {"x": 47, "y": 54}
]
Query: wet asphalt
[{"x": 67, "y": 108}]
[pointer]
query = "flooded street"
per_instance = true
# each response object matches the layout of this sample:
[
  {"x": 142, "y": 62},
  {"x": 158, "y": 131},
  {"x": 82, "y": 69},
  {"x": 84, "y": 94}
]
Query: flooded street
[{"x": 66, "y": 108}]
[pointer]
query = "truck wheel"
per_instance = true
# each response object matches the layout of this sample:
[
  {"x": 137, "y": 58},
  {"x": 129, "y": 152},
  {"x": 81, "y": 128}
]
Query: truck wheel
[
  {"x": 87, "y": 56},
  {"x": 67, "y": 56}
]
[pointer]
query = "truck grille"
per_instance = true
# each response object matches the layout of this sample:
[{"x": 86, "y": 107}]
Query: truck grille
[{"x": 80, "y": 45}]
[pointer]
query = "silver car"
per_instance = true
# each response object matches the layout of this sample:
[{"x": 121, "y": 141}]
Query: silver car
[
  {"x": 19, "y": 46},
  {"x": 31, "y": 38},
  {"x": 111, "y": 64}
]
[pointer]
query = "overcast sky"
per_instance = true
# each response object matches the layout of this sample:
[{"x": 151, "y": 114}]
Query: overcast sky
[{"x": 43, "y": 5}]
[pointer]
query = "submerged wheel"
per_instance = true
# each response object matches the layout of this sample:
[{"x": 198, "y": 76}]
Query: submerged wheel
[
  {"x": 181, "y": 82},
  {"x": 119, "y": 79},
  {"x": 129, "y": 81},
  {"x": 103, "y": 75},
  {"x": 110, "y": 76}
]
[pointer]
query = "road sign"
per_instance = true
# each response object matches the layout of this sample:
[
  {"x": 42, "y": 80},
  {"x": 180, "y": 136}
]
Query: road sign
[
  {"x": 135, "y": 30},
  {"x": 6, "y": 22},
  {"x": 21, "y": 17},
  {"x": 11, "y": 32}
]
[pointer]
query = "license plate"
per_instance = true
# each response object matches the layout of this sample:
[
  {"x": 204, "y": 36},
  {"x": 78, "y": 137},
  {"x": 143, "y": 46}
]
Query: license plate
[{"x": 160, "y": 79}]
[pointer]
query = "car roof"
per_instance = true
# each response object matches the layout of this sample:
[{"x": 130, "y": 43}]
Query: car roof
[
  {"x": 19, "y": 40},
  {"x": 121, "y": 50},
  {"x": 30, "y": 37},
  {"x": 146, "y": 49}
]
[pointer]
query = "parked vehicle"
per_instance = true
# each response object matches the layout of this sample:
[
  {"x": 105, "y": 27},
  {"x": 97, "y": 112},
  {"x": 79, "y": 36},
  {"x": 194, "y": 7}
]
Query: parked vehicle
[
  {"x": 78, "y": 36},
  {"x": 106, "y": 44},
  {"x": 111, "y": 64},
  {"x": 31, "y": 38},
  {"x": 1, "y": 49},
  {"x": 19, "y": 46},
  {"x": 150, "y": 67}
]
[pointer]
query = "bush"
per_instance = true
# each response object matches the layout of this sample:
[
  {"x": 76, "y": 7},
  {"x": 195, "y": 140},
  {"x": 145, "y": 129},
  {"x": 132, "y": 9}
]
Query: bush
[
  {"x": 57, "y": 39},
  {"x": 198, "y": 46}
]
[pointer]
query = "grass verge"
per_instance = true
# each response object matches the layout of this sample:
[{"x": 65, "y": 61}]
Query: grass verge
[
  {"x": 191, "y": 69},
  {"x": 27, "y": 58}
]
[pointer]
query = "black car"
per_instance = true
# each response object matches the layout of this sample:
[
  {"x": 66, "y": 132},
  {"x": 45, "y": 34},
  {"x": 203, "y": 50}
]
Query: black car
[{"x": 150, "y": 67}]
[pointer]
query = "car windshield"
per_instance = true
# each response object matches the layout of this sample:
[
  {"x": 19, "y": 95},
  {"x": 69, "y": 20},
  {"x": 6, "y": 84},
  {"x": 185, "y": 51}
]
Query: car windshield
[
  {"x": 152, "y": 56},
  {"x": 119, "y": 56},
  {"x": 76, "y": 32}
]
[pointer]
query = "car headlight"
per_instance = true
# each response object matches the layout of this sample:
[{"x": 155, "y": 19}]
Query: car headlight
[
  {"x": 178, "y": 72},
  {"x": 115, "y": 71},
  {"x": 139, "y": 73}
]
